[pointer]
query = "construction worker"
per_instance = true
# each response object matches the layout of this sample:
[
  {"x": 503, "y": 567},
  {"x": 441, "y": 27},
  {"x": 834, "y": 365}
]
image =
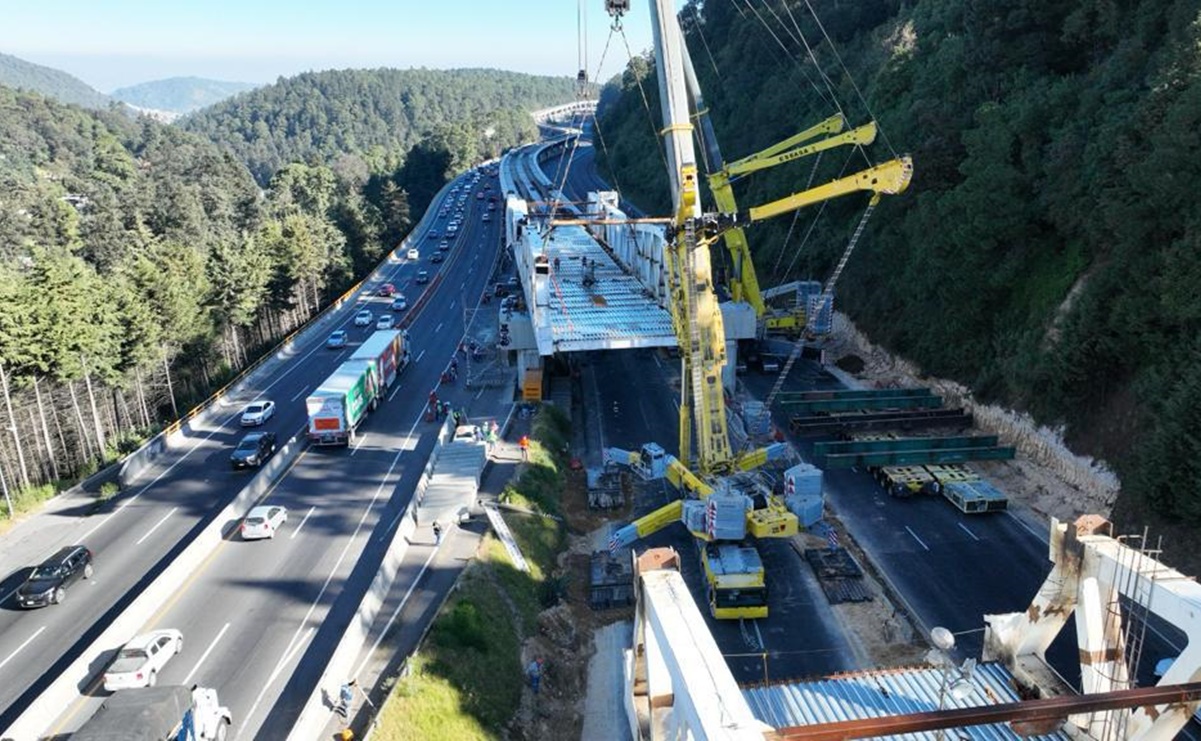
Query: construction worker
[
  {"x": 345, "y": 698},
  {"x": 524, "y": 444},
  {"x": 534, "y": 672}
]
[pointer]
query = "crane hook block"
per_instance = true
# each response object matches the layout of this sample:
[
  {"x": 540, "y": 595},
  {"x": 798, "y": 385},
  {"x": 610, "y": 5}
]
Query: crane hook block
[{"x": 617, "y": 8}]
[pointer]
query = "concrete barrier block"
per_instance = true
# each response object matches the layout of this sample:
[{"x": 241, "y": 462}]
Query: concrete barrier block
[{"x": 69, "y": 685}]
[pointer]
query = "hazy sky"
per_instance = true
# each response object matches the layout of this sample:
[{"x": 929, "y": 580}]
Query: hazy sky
[{"x": 113, "y": 43}]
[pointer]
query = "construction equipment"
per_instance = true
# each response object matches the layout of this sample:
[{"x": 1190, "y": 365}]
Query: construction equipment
[{"x": 722, "y": 506}]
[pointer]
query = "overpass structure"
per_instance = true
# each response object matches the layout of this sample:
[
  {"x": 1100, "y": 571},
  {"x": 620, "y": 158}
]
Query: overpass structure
[
  {"x": 565, "y": 112},
  {"x": 586, "y": 287}
]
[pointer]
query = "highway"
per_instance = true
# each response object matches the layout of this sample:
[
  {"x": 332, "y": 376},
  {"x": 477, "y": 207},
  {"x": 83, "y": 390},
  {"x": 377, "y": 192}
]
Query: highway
[{"x": 234, "y": 612}]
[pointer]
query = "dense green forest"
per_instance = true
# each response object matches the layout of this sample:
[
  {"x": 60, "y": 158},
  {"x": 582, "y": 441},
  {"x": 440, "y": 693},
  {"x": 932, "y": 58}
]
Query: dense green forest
[
  {"x": 364, "y": 121},
  {"x": 22, "y": 75},
  {"x": 180, "y": 94},
  {"x": 1047, "y": 253},
  {"x": 142, "y": 265}
]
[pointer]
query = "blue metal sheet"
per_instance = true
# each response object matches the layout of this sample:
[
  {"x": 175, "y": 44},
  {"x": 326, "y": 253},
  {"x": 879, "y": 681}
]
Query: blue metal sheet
[{"x": 879, "y": 693}]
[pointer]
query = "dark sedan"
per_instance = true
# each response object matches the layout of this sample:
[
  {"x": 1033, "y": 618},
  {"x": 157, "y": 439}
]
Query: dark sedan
[
  {"x": 48, "y": 583},
  {"x": 254, "y": 450}
]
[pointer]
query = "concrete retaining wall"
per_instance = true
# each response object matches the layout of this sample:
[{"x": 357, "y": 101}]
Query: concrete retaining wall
[{"x": 70, "y": 685}]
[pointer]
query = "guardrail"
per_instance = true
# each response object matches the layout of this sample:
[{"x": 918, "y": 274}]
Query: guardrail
[
  {"x": 316, "y": 714},
  {"x": 69, "y": 686},
  {"x": 134, "y": 464}
]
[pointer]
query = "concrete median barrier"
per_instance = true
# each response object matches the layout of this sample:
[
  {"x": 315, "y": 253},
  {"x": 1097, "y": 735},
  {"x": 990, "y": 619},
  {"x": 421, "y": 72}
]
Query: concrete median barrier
[
  {"x": 43, "y": 712},
  {"x": 316, "y": 713}
]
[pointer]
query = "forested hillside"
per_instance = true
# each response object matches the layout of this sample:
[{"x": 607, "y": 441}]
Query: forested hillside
[
  {"x": 21, "y": 75},
  {"x": 1049, "y": 248},
  {"x": 140, "y": 265},
  {"x": 180, "y": 94},
  {"x": 366, "y": 120}
]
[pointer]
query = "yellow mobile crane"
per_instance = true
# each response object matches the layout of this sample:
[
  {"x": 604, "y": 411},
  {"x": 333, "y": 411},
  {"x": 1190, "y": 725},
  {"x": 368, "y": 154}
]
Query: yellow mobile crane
[{"x": 722, "y": 506}]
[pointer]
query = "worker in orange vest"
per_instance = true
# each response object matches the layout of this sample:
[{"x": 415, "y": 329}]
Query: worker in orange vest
[{"x": 524, "y": 443}]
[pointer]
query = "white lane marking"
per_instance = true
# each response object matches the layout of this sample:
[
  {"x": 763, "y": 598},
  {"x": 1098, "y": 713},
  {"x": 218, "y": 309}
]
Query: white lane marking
[
  {"x": 287, "y": 657},
  {"x": 307, "y": 515},
  {"x": 156, "y": 525},
  {"x": 292, "y": 364},
  {"x": 28, "y": 640},
  {"x": 438, "y": 328},
  {"x": 969, "y": 532},
  {"x": 392, "y": 618},
  {"x": 205, "y": 655},
  {"x": 303, "y": 390},
  {"x": 345, "y": 550},
  {"x": 479, "y": 393},
  {"x": 919, "y": 540},
  {"x": 393, "y": 394},
  {"x": 358, "y": 442},
  {"x": 420, "y": 355},
  {"x": 1041, "y": 537},
  {"x": 409, "y": 444}
]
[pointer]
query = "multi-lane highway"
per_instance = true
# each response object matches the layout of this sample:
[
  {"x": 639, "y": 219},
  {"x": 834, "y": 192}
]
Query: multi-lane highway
[{"x": 252, "y": 613}]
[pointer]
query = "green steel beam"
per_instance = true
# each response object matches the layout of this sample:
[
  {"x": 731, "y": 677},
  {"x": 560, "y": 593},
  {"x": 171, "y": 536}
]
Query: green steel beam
[
  {"x": 904, "y": 443},
  {"x": 811, "y": 406},
  {"x": 914, "y": 457},
  {"x": 852, "y": 394}
]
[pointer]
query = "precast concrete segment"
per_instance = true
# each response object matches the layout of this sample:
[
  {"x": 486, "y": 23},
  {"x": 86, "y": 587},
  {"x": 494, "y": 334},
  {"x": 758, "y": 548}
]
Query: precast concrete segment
[{"x": 66, "y": 690}]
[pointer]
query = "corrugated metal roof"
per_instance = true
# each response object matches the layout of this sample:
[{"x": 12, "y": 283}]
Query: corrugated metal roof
[{"x": 875, "y": 694}]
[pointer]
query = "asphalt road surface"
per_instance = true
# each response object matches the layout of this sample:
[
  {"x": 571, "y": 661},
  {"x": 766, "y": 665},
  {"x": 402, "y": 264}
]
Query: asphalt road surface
[{"x": 250, "y": 617}]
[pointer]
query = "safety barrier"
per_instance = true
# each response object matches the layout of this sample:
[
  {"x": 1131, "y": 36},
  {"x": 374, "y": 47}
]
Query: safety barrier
[
  {"x": 137, "y": 462},
  {"x": 79, "y": 676},
  {"x": 316, "y": 714}
]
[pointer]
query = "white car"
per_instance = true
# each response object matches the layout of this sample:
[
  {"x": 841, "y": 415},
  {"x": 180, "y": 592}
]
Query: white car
[
  {"x": 414, "y": 253},
  {"x": 139, "y": 661},
  {"x": 263, "y": 522},
  {"x": 385, "y": 321},
  {"x": 363, "y": 318},
  {"x": 258, "y": 413}
]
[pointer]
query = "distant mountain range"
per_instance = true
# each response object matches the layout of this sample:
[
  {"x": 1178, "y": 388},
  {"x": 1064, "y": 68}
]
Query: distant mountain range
[
  {"x": 21, "y": 75},
  {"x": 180, "y": 94}
]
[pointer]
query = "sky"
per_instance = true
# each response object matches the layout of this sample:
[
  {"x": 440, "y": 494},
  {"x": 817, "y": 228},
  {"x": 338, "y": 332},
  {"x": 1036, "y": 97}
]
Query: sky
[{"x": 116, "y": 43}]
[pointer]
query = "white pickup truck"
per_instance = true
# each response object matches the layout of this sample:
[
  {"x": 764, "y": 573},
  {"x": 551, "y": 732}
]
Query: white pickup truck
[{"x": 158, "y": 714}]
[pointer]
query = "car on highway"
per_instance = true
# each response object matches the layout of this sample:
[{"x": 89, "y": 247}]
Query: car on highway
[
  {"x": 337, "y": 339},
  {"x": 414, "y": 253},
  {"x": 258, "y": 413},
  {"x": 452, "y": 231},
  {"x": 492, "y": 206},
  {"x": 139, "y": 661},
  {"x": 444, "y": 246},
  {"x": 363, "y": 318},
  {"x": 387, "y": 289},
  {"x": 47, "y": 584},
  {"x": 399, "y": 303},
  {"x": 253, "y": 450},
  {"x": 423, "y": 276},
  {"x": 432, "y": 234},
  {"x": 436, "y": 257},
  {"x": 486, "y": 218},
  {"x": 263, "y": 522},
  {"x": 385, "y": 321}
]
